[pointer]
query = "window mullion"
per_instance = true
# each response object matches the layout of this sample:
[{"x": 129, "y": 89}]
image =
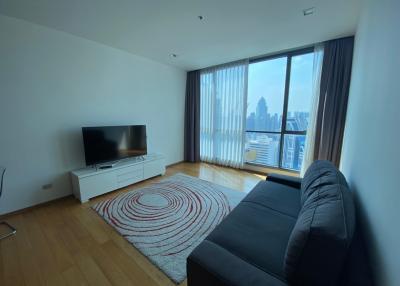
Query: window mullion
[{"x": 285, "y": 108}]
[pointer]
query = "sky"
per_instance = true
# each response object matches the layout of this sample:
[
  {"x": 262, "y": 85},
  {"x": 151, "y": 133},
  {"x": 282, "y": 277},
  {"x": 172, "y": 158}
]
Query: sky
[{"x": 267, "y": 79}]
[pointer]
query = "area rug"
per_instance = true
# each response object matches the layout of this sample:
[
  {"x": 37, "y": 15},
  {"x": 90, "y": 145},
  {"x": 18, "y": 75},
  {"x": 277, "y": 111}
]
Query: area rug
[{"x": 168, "y": 219}]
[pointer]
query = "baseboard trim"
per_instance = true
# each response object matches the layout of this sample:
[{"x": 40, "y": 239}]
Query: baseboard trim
[
  {"x": 177, "y": 163},
  {"x": 259, "y": 171},
  {"x": 27, "y": 209},
  {"x": 267, "y": 170}
]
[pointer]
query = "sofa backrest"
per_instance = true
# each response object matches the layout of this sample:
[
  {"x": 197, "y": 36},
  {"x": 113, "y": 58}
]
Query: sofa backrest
[
  {"x": 319, "y": 242},
  {"x": 320, "y": 173}
]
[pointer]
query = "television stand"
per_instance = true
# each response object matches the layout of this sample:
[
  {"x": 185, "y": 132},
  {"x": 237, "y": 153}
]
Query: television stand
[{"x": 91, "y": 182}]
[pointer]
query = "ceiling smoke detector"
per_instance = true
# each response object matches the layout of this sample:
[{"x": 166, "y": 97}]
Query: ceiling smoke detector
[
  {"x": 309, "y": 11},
  {"x": 200, "y": 17},
  {"x": 173, "y": 55}
]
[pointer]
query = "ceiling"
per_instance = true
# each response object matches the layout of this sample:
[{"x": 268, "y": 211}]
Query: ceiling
[{"x": 230, "y": 29}]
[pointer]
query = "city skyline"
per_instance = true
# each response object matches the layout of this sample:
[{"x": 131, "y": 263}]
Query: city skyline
[
  {"x": 267, "y": 79},
  {"x": 262, "y": 120},
  {"x": 264, "y": 148}
]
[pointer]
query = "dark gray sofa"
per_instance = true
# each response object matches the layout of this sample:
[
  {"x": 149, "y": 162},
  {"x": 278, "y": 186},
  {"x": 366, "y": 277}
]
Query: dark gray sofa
[{"x": 286, "y": 231}]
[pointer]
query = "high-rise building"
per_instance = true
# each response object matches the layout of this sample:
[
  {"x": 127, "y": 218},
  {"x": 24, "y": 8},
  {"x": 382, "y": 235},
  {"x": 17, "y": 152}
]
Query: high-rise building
[
  {"x": 250, "y": 121},
  {"x": 266, "y": 147},
  {"x": 261, "y": 115}
]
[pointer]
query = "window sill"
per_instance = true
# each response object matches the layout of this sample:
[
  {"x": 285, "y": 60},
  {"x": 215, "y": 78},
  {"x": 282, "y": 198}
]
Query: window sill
[{"x": 267, "y": 170}]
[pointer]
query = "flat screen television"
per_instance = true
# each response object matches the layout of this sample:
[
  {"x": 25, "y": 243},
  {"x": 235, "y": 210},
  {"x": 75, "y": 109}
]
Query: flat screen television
[{"x": 113, "y": 143}]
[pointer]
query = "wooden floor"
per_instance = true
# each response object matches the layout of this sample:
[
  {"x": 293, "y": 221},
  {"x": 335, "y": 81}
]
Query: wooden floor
[{"x": 66, "y": 243}]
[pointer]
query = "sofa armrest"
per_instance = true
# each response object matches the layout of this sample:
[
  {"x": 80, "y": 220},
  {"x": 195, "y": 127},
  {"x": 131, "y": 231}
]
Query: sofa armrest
[{"x": 285, "y": 180}]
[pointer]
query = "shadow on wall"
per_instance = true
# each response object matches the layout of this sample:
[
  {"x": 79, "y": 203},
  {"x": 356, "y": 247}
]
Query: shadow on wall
[
  {"x": 360, "y": 268},
  {"x": 62, "y": 186},
  {"x": 70, "y": 145},
  {"x": 36, "y": 191},
  {"x": 69, "y": 155}
]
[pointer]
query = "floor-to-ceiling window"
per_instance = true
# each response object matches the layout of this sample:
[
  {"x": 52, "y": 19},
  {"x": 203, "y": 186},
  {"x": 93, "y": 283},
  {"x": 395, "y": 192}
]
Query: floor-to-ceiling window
[{"x": 278, "y": 106}]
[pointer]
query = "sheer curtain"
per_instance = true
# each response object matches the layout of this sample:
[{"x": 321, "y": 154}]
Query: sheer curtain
[
  {"x": 310, "y": 138},
  {"x": 223, "y": 99}
]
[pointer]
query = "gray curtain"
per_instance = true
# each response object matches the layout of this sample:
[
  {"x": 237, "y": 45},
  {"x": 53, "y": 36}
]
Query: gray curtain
[
  {"x": 192, "y": 117},
  {"x": 334, "y": 93}
]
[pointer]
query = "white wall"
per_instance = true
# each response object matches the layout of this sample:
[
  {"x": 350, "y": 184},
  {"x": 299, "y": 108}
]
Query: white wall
[
  {"x": 371, "y": 154},
  {"x": 52, "y": 83}
]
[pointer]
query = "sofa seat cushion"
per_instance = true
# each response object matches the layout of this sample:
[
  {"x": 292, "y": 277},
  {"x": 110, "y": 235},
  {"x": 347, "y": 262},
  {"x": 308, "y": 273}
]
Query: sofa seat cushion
[
  {"x": 256, "y": 234},
  {"x": 278, "y": 197},
  {"x": 212, "y": 265}
]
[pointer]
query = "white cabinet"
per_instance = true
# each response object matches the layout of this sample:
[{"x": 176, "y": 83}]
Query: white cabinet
[
  {"x": 90, "y": 182},
  {"x": 150, "y": 168}
]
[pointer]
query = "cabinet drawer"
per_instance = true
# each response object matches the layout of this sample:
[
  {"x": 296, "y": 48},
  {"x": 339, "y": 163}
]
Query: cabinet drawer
[
  {"x": 96, "y": 185},
  {"x": 130, "y": 169},
  {"x": 153, "y": 168},
  {"x": 129, "y": 181},
  {"x": 130, "y": 173}
]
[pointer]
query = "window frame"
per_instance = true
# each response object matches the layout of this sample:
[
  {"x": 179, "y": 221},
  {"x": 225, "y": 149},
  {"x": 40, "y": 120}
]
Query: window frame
[{"x": 289, "y": 55}]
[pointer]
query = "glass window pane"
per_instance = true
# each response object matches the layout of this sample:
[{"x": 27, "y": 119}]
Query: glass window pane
[
  {"x": 266, "y": 88},
  {"x": 262, "y": 148},
  {"x": 293, "y": 151},
  {"x": 300, "y": 92}
]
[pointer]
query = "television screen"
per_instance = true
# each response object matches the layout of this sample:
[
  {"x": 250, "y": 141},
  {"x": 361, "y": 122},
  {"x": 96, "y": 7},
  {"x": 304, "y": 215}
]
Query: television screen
[{"x": 112, "y": 143}]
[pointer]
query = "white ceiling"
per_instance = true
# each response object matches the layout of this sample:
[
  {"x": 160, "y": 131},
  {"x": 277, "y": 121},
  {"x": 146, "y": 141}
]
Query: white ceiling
[{"x": 231, "y": 29}]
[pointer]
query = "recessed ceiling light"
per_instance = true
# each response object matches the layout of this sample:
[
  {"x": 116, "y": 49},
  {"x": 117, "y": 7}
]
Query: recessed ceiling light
[
  {"x": 173, "y": 55},
  {"x": 309, "y": 11}
]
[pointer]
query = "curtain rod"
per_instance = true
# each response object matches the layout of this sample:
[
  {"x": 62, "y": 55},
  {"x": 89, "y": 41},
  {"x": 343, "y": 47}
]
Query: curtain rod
[{"x": 274, "y": 54}]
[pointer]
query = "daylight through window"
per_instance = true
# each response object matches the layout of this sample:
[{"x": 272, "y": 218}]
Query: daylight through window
[{"x": 278, "y": 106}]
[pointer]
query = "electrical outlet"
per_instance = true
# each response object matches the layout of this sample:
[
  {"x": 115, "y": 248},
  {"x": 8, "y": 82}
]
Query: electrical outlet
[{"x": 47, "y": 186}]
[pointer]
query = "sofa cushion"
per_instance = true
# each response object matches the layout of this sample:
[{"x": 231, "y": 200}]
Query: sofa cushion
[
  {"x": 320, "y": 173},
  {"x": 278, "y": 197},
  {"x": 212, "y": 265},
  {"x": 256, "y": 234},
  {"x": 318, "y": 244}
]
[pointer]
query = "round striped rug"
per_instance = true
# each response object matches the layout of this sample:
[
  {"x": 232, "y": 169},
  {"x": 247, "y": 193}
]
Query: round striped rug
[{"x": 168, "y": 219}]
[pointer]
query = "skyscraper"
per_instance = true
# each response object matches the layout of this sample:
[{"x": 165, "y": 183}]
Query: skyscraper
[
  {"x": 250, "y": 121},
  {"x": 265, "y": 147},
  {"x": 261, "y": 115}
]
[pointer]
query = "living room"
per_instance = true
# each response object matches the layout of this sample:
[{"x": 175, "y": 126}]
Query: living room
[{"x": 199, "y": 142}]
